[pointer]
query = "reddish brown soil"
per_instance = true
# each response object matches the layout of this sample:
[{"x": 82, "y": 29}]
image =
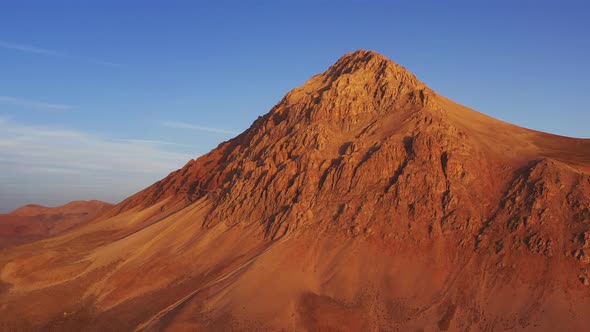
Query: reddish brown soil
[
  {"x": 363, "y": 201},
  {"x": 34, "y": 222}
]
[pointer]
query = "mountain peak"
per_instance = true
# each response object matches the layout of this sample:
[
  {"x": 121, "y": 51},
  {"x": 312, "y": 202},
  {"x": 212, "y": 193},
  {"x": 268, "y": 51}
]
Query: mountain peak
[
  {"x": 372, "y": 63},
  {"x": 362, "y": 83},
  {"x": 363, "y": 56}
]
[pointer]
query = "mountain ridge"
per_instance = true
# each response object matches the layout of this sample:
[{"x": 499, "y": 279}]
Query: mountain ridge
[
  {"x": 35, "y": 209},
  {"x": 33, "y": 222}
]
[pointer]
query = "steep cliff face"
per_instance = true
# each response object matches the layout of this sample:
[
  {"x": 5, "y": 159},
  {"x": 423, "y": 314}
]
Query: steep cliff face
[{"x": 362, "y": 201}]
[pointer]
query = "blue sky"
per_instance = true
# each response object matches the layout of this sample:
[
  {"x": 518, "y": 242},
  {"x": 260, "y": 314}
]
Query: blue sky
[{"x": 99, "y": 99}]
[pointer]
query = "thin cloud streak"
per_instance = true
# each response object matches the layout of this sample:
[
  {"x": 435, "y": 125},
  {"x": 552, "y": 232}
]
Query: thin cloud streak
[
  {"x": 180, "y": 125},
  {"x": 34, "y": 104},
  {"x": 54, "y": 53},
  {"x": 51, "y": 165},
  {"x": 45, "y": 170},
  {"x": 31, "y": 49},
  {"x": 24, "y": 147},
  {"x": 151, "y": 141}
]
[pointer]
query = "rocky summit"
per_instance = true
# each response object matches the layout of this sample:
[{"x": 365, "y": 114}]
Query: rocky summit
[{"x": 363, "y": 201}]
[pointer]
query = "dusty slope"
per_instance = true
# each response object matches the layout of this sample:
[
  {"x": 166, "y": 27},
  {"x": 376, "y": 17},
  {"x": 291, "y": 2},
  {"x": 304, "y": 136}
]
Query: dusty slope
[
  {"x": 34, "y": 222},
  {"x": 362, "y": 201}
]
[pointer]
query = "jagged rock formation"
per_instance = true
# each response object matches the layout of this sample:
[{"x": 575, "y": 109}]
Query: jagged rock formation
[{"x": 362, "y": 201}]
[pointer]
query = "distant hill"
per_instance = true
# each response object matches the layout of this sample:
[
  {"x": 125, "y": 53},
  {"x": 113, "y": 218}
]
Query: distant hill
[{"x": 33, "y": 222}]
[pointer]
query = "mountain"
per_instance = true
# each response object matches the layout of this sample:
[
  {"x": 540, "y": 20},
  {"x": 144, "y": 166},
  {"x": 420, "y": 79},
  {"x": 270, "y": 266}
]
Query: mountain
[
  {"x": 34, "y": 222},
  {"x": 363, "y": 201},
  {"x": 74, "y": 207}
]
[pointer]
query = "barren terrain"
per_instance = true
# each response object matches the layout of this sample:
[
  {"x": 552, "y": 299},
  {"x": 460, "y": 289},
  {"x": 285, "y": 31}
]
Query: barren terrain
[{"x": 363, "y": 201}]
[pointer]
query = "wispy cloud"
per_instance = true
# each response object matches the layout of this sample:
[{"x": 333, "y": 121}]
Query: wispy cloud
[
  {"x": 26, "y": 148},
  {"x": 49, "y": 170},
  {"x": 151, "y": 141},
  {"x": 180, "y": 125},
  {"x": 34, "y": 104},
  {"x": 31, "y": 49},
  {"x": 54, "y": 53},
  {"x": 51, "y": 166}
]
